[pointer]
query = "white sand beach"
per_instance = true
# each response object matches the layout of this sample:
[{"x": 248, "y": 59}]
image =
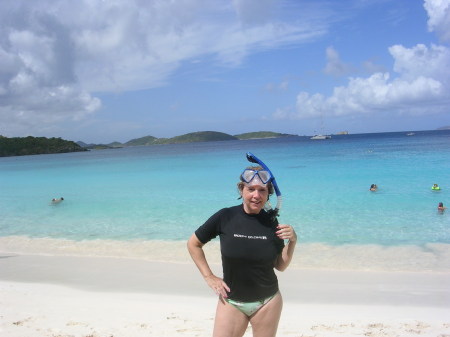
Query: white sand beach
[{"x": 76, "y": 296}]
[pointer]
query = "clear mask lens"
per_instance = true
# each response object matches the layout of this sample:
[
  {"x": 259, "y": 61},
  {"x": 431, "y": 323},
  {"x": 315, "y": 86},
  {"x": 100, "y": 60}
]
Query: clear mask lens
[{"x": 248, "y": 175}]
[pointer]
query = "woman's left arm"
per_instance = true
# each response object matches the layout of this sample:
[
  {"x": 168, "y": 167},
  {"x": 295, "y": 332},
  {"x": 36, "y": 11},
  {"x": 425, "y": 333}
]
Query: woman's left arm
[{"x": 286, "y": 232}]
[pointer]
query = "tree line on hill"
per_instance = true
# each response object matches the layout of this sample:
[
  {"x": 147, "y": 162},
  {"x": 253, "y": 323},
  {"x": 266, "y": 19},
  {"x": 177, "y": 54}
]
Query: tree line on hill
[
  {"x": 22, "y": 146},
  {"x": 200, "y": 136}
]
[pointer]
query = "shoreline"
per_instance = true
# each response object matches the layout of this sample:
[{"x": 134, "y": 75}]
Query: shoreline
[
  {"x": 102, "y": 296},
  {"x": 433, "y": 257}
]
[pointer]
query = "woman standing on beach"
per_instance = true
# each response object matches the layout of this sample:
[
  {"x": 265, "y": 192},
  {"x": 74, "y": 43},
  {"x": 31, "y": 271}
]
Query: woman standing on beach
[{"x": 252, "y": 245}]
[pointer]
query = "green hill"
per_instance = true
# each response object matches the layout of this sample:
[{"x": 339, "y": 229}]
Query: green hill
[
  {"x": 23, "y": 146},
  {"x": 40, "y": 145},
  {"x": 115, "y": 144},
  {"x": 148, "y": 140},
  {"x": 201, "y": 136},
  {"x": 261, "y": 134}
]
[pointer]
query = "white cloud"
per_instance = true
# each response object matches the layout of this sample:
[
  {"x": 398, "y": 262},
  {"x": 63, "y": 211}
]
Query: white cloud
[
  {"x": 54, "y": 55},
  {"x": 433, "y": 62},
  {"x": 439, "y": 17},
  {"x": 412, "y": 92},
  {"x": 419, "y": 83}
]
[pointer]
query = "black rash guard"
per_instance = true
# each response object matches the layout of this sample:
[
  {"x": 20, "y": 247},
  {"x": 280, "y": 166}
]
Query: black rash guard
[{"x": 249, "y": 248}]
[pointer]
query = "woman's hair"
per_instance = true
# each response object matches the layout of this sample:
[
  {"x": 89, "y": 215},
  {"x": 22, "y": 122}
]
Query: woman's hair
[
  {"x": 441, "y": 204},
  {"x": 241, "y": 184}
]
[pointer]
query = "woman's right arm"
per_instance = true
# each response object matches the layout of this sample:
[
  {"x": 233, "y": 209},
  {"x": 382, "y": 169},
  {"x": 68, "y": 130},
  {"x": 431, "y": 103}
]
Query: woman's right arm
[{"x": 195, "y": 248}]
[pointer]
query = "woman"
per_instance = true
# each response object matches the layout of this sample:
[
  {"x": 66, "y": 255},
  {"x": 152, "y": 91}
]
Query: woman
[{"x": 252, "y": 245}]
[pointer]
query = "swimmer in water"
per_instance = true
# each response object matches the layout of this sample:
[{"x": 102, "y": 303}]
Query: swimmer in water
[{"x": 57, "y": 200}]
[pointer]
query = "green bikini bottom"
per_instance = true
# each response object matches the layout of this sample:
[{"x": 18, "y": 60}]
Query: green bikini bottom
[{"x": 249, "y": 308}]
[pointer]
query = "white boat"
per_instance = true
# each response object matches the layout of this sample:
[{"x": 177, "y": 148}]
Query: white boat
[
  {"x": 316, "y": 137},
  {"x": 321, "y": 135},
  {"x": 410, "y": 134}
]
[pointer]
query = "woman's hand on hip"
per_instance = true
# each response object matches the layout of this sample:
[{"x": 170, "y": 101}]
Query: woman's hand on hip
[{"x": 217, "y": 285}]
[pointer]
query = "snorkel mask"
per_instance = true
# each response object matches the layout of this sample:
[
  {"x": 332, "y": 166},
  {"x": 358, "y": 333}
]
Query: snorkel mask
[
  {"x": 262, "y": 177},
  {"x": 256, "y": 177}
]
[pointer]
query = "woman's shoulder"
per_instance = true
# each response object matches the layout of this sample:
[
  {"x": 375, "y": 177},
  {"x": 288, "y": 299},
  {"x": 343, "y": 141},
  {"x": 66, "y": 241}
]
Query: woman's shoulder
[
  {"x": 236, "y": 208},
  {"x": 227, "y": 211}
]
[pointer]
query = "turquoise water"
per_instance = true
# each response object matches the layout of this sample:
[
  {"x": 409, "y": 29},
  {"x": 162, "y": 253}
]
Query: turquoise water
[{"x": 165, "y": 192}]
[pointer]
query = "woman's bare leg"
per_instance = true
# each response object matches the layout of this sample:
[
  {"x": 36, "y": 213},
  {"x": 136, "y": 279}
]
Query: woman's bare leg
[
  {"x": 265, "y": 321},
  {"x": 229, "y": 322}
]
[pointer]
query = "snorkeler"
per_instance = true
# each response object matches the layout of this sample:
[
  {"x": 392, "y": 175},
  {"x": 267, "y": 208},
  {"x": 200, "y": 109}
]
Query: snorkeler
[
  {"x": 252, "y": 246},
  {"x": 57, "y": 200}
]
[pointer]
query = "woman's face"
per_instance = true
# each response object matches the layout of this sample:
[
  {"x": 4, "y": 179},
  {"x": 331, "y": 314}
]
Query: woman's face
[{"x": 254, "y": 198}]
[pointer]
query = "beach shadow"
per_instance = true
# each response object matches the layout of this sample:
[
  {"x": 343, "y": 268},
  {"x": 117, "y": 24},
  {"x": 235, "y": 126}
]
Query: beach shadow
[{"x": 7, "y": 256}]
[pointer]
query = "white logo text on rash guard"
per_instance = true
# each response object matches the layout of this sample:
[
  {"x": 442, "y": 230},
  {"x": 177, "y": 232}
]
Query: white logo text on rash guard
[{"x": 257, "y": 237}]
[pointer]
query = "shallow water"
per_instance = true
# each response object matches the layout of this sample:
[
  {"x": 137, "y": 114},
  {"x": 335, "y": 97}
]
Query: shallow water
[{"x": 165, "y": 192}]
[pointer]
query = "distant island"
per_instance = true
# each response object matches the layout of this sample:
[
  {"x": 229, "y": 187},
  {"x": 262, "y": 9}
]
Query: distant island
[
  {"x": 200, "y": 136},
  {"x": 23, "y": 146}
]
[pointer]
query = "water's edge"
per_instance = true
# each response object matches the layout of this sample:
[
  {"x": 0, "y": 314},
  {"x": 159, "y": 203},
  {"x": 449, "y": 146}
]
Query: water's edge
[{"x": 430, "y": 257}]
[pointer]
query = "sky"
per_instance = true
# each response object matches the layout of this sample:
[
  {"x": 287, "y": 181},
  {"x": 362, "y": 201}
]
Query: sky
[{"x": 100, "y": 71}]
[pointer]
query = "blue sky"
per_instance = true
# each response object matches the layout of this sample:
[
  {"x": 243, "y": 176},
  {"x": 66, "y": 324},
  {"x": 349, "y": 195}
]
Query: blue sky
[{"x": 113, "y": 70}]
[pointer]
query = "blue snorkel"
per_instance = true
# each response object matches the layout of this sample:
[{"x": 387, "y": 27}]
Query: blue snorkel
[{"x": 253, "y": 159}]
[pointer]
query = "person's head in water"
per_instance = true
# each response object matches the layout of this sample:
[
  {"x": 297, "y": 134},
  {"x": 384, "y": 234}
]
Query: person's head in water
[{"x": 57, "y": 200}]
